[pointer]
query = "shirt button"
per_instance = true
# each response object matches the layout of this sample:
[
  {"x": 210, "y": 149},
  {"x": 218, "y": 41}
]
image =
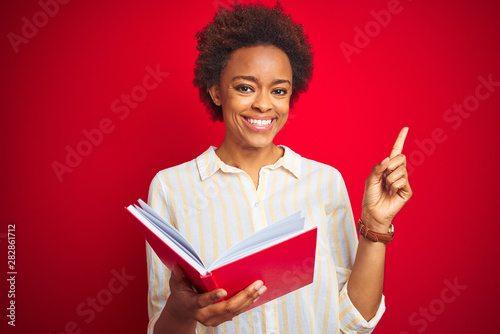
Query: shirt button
[{"x": 257, "y": 205}]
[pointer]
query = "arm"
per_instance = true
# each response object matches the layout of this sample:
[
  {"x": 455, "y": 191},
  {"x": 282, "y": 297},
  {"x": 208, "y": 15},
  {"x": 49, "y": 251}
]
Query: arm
[
  {"x": 387, "y": 190},
  {"x": 367, "y": 277}
]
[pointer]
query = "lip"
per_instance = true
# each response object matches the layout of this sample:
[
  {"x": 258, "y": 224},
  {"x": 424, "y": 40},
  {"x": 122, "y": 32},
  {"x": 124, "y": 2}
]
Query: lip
[
  {"x": 259, "y": 128},
  {"x": 264, "y": 118}
]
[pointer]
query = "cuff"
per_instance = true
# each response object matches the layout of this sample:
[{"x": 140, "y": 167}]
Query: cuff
[{"x": 351, "y": 321}]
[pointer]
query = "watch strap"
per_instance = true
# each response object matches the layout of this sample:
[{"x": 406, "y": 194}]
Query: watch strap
[{"x": 374, "y": 236}]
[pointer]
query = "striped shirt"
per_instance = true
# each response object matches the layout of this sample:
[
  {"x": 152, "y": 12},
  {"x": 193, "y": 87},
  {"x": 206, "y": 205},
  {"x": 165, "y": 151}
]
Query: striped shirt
[{"x": 215, "y": 205}]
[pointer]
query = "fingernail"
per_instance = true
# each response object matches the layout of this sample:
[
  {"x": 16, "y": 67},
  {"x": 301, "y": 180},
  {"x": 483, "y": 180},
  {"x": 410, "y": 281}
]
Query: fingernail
[
  {"x": 255, "y": 299},
  {"x": 262, "y": 290},
  {"x": 391, "y": 192},
  {"x": 221, "y": 294},
  {"x": 258, "y": 285},
  {"x": 384, "y": 161}
]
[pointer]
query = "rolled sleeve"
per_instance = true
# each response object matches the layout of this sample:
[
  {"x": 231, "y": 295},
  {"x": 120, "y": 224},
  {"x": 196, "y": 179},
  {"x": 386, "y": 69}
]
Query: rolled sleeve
[{"x": 351, "y": 321}]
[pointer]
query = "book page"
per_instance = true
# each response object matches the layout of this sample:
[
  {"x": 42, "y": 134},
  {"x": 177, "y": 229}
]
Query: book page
[
  {"x": 272, "y": 234},
  {"x": 169, "y": 231}
]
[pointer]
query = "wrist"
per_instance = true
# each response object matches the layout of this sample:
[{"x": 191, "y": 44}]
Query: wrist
[
  {"x": 375, "y": 236},
  {"x": 173, "y": 318},
  {"x": 374, "y": 224},
  {"x": 370, "y": 245}
]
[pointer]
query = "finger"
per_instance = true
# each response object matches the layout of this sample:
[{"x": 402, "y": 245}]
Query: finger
[
  {"x": 177, "y": 282},
  {"x": 398, "y": 185},
  {"x": 398, "y": 145},
  {"x": 242, "y": 300},
  {"x": 394, "y": 176},
  {"x": 395, "y": 163},
  {"x": 209, "y": 298},
  {"x": 228, "y": 309},
  {"x": 378, "y": 170}
]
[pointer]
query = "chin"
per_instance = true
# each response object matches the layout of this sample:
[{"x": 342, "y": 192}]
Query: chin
[{"x": 257, "y": 144}]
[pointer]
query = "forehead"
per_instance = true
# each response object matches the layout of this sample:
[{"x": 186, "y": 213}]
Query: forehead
[{"x": 263, "y": 62}]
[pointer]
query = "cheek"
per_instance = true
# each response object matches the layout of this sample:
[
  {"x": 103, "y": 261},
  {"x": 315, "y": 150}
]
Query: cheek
[
  {"x": 284, "y": 119},
  {"x": 284, "y": 112}
]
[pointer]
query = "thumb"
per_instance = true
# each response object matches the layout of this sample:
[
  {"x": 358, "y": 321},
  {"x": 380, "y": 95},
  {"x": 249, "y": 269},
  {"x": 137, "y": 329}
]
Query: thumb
[
  {"x": 177, "y": 272},
  {"x": 177, "y": 278},
  {"x": 177, "y": 283}
]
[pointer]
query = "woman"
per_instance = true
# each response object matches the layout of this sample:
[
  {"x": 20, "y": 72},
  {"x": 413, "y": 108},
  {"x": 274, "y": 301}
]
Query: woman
[{"x": 253, "y": 64}]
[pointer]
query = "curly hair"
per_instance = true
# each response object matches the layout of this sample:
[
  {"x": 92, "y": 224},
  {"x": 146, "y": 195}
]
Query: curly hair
[{"x": 245, "y": 25}]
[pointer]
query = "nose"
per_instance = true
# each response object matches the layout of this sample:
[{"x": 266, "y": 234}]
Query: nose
[{"x": 262, "y": 102}]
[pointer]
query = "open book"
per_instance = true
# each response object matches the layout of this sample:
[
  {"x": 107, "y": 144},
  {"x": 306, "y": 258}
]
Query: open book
[{"x": 281, "y": 255}]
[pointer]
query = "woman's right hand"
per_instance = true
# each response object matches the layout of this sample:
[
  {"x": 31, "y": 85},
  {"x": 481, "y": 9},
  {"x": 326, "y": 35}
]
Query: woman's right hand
[{"x": 185, "y": 307}]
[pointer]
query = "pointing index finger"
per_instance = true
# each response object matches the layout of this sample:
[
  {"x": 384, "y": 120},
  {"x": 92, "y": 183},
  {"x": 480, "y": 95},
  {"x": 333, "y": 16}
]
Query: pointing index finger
[{"x": 398, "y": 145}]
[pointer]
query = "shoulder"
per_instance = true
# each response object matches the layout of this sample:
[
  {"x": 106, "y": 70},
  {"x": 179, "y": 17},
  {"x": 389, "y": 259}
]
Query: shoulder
[
  {"x": 307, "y": 167},
  {"x": 175, "y": 175},
  {"x": 316, "y": 165},
  {"x": 174, "y": 171}
]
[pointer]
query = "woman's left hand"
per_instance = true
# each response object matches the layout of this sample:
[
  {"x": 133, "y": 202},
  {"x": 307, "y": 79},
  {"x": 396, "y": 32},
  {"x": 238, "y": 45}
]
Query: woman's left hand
[{"x": 387, "y": 189}]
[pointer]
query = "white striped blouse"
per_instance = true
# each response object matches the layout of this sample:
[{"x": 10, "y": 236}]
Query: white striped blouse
[{"x": 215, "y": 205}]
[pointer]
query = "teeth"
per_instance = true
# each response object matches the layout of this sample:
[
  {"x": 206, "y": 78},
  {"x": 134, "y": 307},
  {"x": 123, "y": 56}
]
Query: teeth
[{"x": 259, "y": 122}]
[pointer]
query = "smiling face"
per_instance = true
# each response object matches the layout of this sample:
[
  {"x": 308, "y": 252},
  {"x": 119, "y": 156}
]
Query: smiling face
[{"x": 254, "y": 92}]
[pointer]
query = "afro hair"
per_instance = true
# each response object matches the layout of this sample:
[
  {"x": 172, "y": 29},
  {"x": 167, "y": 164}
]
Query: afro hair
[{"x": 246, "y": 25}]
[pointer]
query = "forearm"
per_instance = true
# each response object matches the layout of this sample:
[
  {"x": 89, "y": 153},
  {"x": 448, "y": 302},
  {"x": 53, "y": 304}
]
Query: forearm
[
  {"x": 386, "y": 191},
  {"x": 367, "y": 277}
]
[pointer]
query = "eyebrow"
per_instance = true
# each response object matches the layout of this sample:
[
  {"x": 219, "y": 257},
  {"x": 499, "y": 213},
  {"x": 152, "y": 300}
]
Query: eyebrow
[{"x": 254, "y": 79}]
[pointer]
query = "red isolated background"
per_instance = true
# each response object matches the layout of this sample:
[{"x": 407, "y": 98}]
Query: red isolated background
[{"x": 71, "y": 235}]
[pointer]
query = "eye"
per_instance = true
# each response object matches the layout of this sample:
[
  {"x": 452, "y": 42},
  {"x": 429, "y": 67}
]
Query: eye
[
  {"x": 280, "y": 91},
  {"x": 244, "y": 88}
]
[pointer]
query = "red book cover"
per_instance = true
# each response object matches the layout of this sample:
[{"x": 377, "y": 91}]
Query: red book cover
[{"x": 284, "y": 265}]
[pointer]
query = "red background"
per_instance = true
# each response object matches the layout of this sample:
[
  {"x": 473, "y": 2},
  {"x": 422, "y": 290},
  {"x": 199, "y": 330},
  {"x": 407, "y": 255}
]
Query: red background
[{"x": 70, "y": 235}]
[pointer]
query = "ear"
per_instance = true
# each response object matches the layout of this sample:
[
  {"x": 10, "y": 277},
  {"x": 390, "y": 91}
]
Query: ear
[{"x": 214, "y": 92}]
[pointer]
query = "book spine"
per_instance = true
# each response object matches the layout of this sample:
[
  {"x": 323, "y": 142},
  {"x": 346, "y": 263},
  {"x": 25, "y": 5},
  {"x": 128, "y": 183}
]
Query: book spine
[{"x": 209, "y": 282}]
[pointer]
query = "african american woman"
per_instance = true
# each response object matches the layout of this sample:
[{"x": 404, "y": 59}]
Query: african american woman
[{"x": 253, "y": 64}]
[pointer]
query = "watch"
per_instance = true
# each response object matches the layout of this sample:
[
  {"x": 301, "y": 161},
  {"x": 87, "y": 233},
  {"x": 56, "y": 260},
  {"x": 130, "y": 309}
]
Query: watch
[{"x": 374, "y": 236}]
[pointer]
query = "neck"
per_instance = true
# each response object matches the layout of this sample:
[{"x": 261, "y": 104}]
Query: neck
[{"x": 249, "y": 159}]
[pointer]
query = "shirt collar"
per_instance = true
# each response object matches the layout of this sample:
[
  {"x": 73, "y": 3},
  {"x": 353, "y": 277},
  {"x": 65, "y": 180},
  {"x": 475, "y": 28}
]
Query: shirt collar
[{"x": 208, "y": 163}]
